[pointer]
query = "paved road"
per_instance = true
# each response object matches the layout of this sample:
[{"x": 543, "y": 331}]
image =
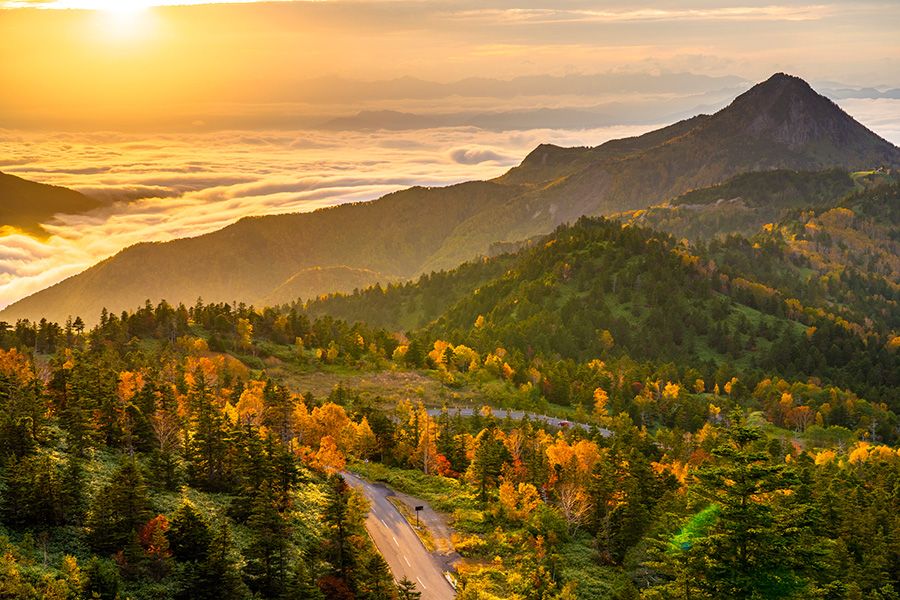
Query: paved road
[
  {"x": 399, "y": 544},
  {"x": 518, "y": 415}
]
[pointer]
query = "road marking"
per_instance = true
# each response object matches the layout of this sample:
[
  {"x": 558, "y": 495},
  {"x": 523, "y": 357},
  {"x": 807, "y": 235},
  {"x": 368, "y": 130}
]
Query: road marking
[
  {"x": 422, "y": 584},
  {"x": 383, "y": 523},
  {"x": 407, "y": 560},
  {"x": 395, "y": 541}
]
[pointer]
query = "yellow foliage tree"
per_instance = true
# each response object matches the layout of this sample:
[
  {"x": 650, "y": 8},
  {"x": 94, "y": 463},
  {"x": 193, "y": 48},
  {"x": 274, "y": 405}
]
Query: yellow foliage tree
[
  {"x": 601, "y": 398},
  {"x": 438, "y": 354},
  {"x": 250, "y": 406},
  {"x": 245, "y": 333},
  {"x": 518, "y": 502},
  {"x": 329, "y": 458}
]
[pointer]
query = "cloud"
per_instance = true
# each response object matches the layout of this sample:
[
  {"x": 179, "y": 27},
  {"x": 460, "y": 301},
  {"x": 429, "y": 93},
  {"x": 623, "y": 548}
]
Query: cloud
[
  {"x": 477, "y": 155},
  {"x": 154, "y": 199},
  {"x": 880, "y": 115},
  {"x": 544, "y": 16}
]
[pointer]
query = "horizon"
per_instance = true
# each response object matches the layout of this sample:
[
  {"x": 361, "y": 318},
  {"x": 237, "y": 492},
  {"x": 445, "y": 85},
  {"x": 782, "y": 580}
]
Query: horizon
[
  {"x": 450, "y": 299},
  {"x": 292, "y": 114}
]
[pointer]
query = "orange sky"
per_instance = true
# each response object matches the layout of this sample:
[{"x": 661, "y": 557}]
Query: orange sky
[
  {"x": 186, "y": 118},
  {"x": 124, "y": 67}
]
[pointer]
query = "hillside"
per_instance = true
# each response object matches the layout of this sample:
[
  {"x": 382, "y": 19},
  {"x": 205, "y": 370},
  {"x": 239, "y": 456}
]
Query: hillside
[
  {"x": 746, "y": 202},
  {"x": 779, "y": 124},
  {"x": 815, "y": 295},
  {"x": 265, "y": 260},
  {"x": 138, "y": 462},
  {"x": 25, "y": 204}
]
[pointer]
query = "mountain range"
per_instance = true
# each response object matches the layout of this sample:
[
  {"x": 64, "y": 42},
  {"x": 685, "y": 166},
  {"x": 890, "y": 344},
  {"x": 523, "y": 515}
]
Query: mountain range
[
  {"x": 779, "y": 124},
  {"x": 27, "y": 204}
]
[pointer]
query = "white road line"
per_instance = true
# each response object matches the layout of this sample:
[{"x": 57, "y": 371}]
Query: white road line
[
  {"x": 395, "y": 541},
  {"x": 422, "y": 584},
  {"x": 383, "y": 523},
  {"x": 407, "y": 560}
]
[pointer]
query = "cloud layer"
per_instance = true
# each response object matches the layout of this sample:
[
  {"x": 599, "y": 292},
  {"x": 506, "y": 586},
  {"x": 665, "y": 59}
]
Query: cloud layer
[{"x": 173, "y": 186}]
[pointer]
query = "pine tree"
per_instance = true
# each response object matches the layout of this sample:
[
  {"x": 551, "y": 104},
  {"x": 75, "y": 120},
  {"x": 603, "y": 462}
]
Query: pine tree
[
  {"x": 487, "y": 464},
  {"x": 407, "y": 590},
  {"x": 189, "y": 535},
  {"x": 119, "y": 510},
  {"x": 221, "y": 573},
  {"x": 33, "y": 494},
  {"x": 207, "y": 560},
  {"x": 337, "y": 516},
  {"x": 376, "y": 583},
  {"x": 753, "y": 549},
  {"x": 207, "y": 446},
  {"x": 269, "y": 554},
  {"x": 72, "y": 485}
]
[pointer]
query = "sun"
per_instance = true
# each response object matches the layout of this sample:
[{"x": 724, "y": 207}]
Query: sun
[{"x": 122, "y": 20}]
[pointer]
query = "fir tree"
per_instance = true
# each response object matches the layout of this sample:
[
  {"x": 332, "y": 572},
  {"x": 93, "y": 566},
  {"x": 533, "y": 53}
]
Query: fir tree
[
  {"x": 407, "y": 590},
  {"x": 119, "y": 510},
  {"x": 269, "y": 553}
]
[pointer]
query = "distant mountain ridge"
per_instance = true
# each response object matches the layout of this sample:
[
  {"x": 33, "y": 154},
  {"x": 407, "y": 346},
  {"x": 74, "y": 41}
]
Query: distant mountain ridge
[
  {"x": 25, "y": 204},
  {"x": 778, "y": 124}
]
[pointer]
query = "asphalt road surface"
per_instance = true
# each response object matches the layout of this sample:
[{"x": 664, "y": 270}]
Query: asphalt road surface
[
  {"x": 518, "y": 415},
  {"x": 399, "y": 544}
]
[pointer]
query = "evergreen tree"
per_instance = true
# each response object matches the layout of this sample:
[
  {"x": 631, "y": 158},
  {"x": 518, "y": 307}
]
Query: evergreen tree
[
  {"x": 207, "y": 447},
  {"x": 487, "y": 463},
  {"x": 407, "y": 590},
  {"x": 222, "y": 577},
  {"x": 188, "y": 534},
  {"x": 119, "y": 509},
  {"x": 376, "y": 583},
  {"x": 753, "y": 548},
  {"x": 337, "y": 516},
  {"x": 269, "y": 553},
  {"x": 101, "y": 579}
]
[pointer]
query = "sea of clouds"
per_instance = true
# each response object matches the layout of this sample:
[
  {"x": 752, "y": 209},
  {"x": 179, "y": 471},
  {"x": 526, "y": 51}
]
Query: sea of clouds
[
  {"x": 161, "y": 187},
  {"x": 169, "y": 186}
]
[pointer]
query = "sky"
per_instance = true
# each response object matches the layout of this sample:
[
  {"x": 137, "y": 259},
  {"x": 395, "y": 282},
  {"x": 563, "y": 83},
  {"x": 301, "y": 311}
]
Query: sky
[{"x": 187, "y": 117}]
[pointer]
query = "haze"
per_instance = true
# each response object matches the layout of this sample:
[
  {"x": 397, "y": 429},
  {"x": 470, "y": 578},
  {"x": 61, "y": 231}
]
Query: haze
[{"x": 186, "y": 118}]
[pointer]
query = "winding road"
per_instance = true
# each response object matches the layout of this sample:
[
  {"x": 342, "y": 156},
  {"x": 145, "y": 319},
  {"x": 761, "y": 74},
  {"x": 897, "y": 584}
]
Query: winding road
[
  {"x": 518, "y": 415},
  {"x": 399, "y": 544}
]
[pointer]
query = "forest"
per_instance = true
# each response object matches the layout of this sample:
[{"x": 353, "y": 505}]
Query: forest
[{"x": 736, "y": 402}]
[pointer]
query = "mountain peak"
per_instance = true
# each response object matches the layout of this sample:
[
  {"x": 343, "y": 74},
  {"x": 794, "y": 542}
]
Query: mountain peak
[
  {"x": 782, "y": 79},
  {"x": 786, "y": 110},
  {"x": 782, "y": 86}
]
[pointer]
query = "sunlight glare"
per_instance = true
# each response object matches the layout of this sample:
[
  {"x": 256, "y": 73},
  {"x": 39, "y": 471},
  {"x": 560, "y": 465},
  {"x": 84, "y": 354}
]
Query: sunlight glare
[
  {"x": 122, "y": 19},
  {"x": 122, "y": 7}
]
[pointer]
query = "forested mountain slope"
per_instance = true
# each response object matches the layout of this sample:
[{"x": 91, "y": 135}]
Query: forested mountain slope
[
  {"x": 814, "y": 295},
  {"x": 747, "y": 202},
  {"x": 779, "y": 124}
]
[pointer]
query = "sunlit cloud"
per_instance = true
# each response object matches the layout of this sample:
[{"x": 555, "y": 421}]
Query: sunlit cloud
[
  {"x": 511, "y": 16},
  {"x": 228, "y": 178}
]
